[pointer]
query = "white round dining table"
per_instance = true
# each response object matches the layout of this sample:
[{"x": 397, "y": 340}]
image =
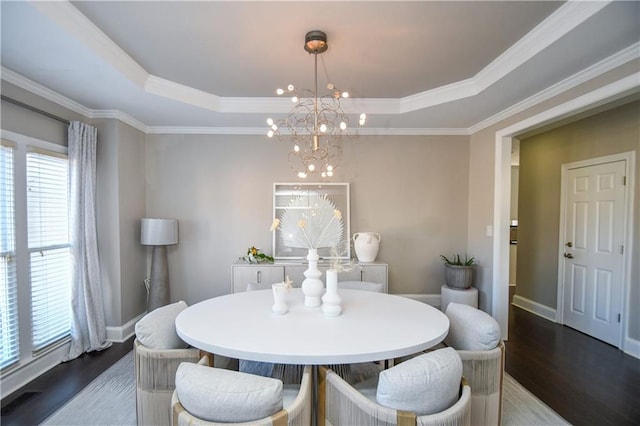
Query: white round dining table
[{"x": 372, "y": 327}]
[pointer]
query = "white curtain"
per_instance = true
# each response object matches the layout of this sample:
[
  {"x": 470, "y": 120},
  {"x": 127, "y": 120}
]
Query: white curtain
[{"x": 88, "y": 330}]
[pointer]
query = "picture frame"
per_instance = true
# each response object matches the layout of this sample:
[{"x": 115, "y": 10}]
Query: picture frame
[{"x": 338, "y": 193}]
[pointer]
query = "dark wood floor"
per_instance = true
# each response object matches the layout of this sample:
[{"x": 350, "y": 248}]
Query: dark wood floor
[
  {"x": 37, "y": 400},
  {"x": 584, "y": 380}
]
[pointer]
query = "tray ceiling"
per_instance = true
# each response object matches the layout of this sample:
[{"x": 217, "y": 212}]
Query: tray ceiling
[{"x": 414, "y": 67}]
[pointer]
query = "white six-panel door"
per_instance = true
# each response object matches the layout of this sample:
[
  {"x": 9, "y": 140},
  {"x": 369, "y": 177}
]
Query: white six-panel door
[{"x": 593, "y": 249}]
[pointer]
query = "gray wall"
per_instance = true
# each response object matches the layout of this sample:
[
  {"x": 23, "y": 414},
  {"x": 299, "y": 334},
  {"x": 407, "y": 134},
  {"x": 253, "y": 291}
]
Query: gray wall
[
  {"x": 120, "y": 193},
  {"x": 132, "y": 195},
  {"x": 121, "y": 204},
  {"x": 541, "y": 156},
  {"x": 28, "y": 123},
  {"x": 412, "y": 190},
  {"x": 482, "y": 180}
]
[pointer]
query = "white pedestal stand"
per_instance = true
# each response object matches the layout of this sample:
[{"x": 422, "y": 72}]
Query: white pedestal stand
[{"x": 467, "y": 296}]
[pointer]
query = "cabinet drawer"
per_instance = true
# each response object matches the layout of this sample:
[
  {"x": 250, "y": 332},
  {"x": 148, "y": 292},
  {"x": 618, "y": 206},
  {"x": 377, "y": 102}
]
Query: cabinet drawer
[
  {"x": 267, "y": 274},
  {"x": 374, "y": 274}
]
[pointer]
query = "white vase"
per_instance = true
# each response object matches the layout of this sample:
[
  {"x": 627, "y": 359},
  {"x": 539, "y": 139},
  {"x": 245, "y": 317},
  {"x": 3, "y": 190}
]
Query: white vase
[
  {"x": 312, "y": 286},
  {"x": 279, "y": 298},
  {"x": 331, "y": 300},
  {"x": 366, "y": 245}
]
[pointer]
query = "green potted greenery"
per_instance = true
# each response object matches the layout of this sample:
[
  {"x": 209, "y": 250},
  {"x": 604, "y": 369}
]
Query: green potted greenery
[{"x": 458, "y": 273}]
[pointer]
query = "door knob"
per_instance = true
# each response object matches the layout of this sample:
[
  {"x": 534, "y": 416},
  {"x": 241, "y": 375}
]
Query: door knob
[
  {"x": 569, "y": 244},
  {"x": 568, "y": 255}
]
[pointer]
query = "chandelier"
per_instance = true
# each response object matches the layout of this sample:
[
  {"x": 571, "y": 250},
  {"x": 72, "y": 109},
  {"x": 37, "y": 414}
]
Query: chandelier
[{"x": 315, "y": 125}]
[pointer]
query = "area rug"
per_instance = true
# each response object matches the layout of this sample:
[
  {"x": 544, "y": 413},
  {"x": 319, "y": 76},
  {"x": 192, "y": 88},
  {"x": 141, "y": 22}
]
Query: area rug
[{"x": 110, "y": 400}]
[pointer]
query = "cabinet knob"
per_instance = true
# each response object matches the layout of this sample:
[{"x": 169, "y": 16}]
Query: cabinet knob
[{"x": 259, "y": 277}]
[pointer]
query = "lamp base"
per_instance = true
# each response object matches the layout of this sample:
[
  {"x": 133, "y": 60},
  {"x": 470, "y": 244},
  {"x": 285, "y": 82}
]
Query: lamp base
[{"x": 159, "y": 284}]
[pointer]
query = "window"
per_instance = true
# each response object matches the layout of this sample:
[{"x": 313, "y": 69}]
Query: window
[
  {"x": 48, "y": 234},
  {"x": 35, "y": 268},
  {"x": 9, "y": 339}
]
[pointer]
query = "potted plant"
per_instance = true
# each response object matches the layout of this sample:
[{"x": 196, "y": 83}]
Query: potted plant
[{"x": 458, "y": 273}]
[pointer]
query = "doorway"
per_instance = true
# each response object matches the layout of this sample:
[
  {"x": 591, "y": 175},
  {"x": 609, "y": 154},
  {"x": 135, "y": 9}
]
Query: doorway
[
  {"x": 592, "y": 238},
  {"x": 616, "y": 90}
]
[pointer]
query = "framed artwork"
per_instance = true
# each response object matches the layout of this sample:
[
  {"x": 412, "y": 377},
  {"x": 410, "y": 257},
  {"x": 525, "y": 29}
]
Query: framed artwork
[{"x": 285, "y": 195}]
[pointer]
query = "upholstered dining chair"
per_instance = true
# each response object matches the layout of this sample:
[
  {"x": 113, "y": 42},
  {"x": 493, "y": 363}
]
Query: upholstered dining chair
[
  {"x": 157, "y": 352},
  {"x": 426, "y": 390},
  {"x": 209, "y": 396},
  {"x": 476, "y": 336}
]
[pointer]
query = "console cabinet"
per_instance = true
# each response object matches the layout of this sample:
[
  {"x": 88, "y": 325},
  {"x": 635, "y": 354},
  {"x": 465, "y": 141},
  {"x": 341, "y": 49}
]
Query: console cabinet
[{"x": 244, "y": 273}]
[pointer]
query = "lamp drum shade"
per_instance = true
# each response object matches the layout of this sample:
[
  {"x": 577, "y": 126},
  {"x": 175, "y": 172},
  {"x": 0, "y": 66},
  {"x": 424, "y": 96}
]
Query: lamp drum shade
[{"x": 159, "y": 232}]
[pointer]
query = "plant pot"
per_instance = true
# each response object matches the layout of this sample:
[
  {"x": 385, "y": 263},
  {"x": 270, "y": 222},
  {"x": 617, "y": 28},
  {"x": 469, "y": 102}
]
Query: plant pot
[{"x": 458, "y": 276}]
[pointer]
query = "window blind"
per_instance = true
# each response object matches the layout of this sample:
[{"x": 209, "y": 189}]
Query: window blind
[
  {"x": 9, "y": 335},
  {"x": 48, "y": 243}
]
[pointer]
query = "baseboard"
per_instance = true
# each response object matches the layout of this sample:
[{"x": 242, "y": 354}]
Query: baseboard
[
  {"x": 122, "y": 333},
  {"x": 430, "y": 299},
  {"x": 632, "y": 347},
  {"x": 535, "y": 308}
]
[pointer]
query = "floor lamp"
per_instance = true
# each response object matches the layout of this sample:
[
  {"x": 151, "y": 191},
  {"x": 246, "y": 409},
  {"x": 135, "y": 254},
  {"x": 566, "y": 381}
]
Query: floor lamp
[{"x": 159, "y": 233}]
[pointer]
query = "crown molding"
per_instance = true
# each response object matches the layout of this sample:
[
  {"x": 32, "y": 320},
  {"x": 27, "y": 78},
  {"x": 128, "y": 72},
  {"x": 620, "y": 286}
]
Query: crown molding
[
  {"x": 564, "y": 19},
  {"x": 260, "y": 105},
  {"x": 181, "y": 93},
  {"x": 410, "y": 131},
  {"x": 82, "y": 29},
  {"x": 624, "y": 56},
  {"x": 121, "y": 116},
  {"x": 255, "y": 105},
  {"x": 44, "y": 92},
  {"x": 373, "y": 106},
  {"x": 195, "y": 130},
  {"x": 439, "y": 95},
  {"x": 55, "y": 97},
  {"x": 178, "y": 130}
]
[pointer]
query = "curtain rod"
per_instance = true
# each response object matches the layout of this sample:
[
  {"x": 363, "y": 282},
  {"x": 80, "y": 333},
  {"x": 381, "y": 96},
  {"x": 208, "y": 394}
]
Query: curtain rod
[{"x": 34, "y": 109}]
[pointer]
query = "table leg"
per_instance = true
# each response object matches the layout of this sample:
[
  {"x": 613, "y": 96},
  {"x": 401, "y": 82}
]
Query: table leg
[{"x": 314, "y": 396}]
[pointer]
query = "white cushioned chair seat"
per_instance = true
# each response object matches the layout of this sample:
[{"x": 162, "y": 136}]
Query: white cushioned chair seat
[
  {"x": 219, "y": 395},
  {"x": 157, "y": 329},
  {"x": 471, "y": 329},
  {"x": 295, "y": 401},
  {"x": 343, "y": 404},
  {"x": 426, "y": 384}
]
